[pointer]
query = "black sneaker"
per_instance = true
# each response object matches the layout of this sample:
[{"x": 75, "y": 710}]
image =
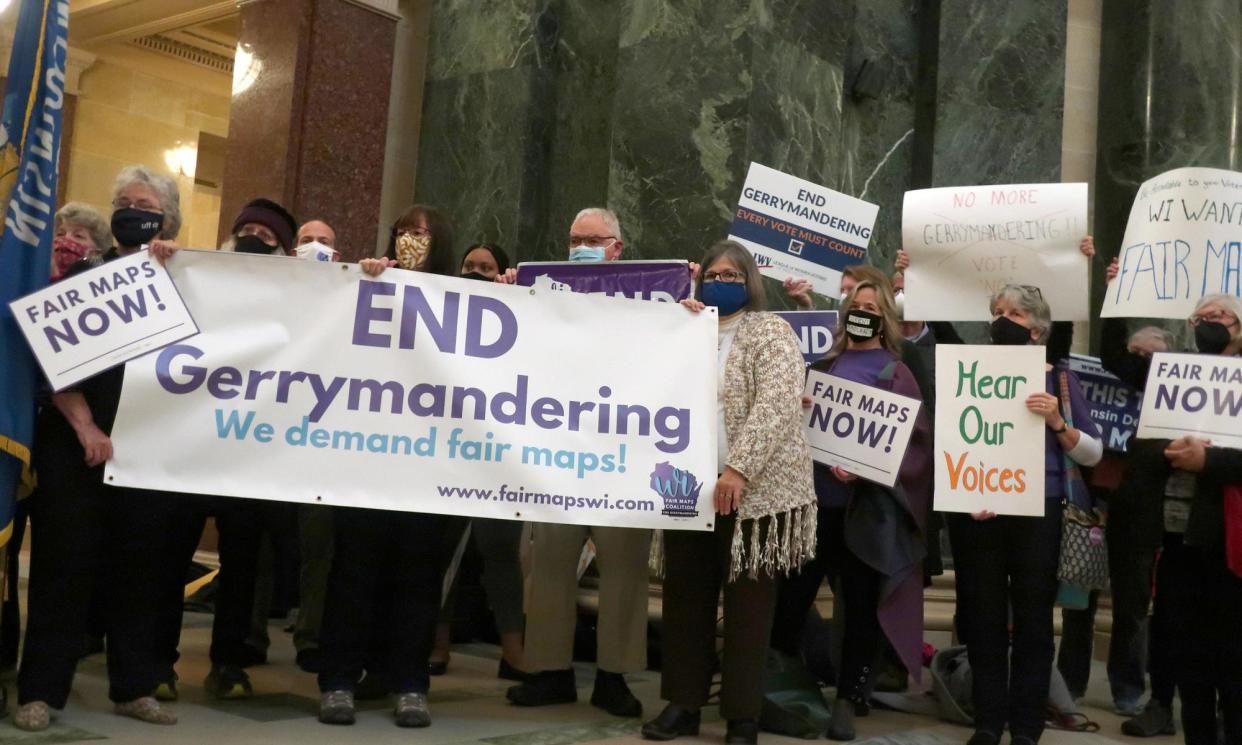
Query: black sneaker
[
  {"x": 742, "y": 732},
  {"x": 675, "y": 721},
  {"x": 613, "y": 696},
  {"x": 228, "y": 683},
  {"x": 1156, "y": 720},
  {"x": 544, "y": 689}
]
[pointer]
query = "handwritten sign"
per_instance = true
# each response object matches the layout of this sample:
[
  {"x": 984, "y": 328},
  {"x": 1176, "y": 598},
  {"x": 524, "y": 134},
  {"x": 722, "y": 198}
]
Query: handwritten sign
[
  {"x": 965, "y": 243},
  {"x": 989, "y": 446},
  {"x": 1114, "y": 405},
  {"x": 860, "y": 428},
  {"x": 1193, "y": 394},
  {"x": 98, "y": 319},
  {"x": 799, "y": 229},
  {"x": 1183, "y": 241},
  {"x": 814, "y": 329}
]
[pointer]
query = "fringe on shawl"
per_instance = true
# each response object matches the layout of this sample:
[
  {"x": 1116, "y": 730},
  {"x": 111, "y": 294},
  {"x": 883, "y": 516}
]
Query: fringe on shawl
[{"x": 777, "y": 544}]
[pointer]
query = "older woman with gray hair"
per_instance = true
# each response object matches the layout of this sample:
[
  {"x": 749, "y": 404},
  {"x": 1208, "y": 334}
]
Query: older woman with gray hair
[
  {"x": 87, "y": 535},
  {"x": 80, "y": 232},
  {"x": 1006, "y": 562}
]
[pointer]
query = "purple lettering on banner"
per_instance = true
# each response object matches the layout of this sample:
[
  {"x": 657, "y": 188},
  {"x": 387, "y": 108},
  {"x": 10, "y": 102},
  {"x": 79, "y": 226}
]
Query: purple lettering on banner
[
  {"x": 365, "y": 312},
  {"x": 164, "y": 374},
  {"x": 475, "y": 347},
  {"x": 1114, "y": 406},
  {"x": 667, "y": 281},
  {"x": 815, "y": 330},
  {"x": 443, "y": 330}
]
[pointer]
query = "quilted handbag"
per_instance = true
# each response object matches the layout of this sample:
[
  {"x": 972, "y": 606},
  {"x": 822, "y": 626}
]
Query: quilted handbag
[{"x": 1084, "y": 554}]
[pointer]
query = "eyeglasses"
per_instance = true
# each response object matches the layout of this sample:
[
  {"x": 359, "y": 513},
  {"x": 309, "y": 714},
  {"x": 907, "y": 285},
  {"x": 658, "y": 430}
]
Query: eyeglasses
[
  {"x": 1215, "y": 316},
  {"x": 1034, "y": 289},
  {"x": 142, "y": 204},
  {"x": 727, "y": 276},
  {"x": 576, "y": 241}
]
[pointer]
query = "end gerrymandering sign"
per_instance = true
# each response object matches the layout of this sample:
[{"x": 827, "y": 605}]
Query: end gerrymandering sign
[
  {"x": 665, "y": 280},
  {"x": 427, "y": 394},
  {"x": 799, "y": 229},
  {"x": 98, "y": 319},
  {"x": 814, "y": 329},
  {"x": 1183, "y": 241},
  {"x": 1193, "y": 394}
]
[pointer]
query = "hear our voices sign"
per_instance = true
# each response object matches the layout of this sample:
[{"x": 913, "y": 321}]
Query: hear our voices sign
[
  {"x": 966, "y": 242},
  {"x": 424, "y": 393},
  {"x": 1183, "y": 241},
  {"x": 989, "y": 446},
  {"x": 1193, "y": 394},
  {"x": 100, "y": 318}
]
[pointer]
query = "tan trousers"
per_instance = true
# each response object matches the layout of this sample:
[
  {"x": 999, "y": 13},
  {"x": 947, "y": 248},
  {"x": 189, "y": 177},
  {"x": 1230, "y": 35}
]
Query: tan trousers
[{"x": 552, "y": 607}]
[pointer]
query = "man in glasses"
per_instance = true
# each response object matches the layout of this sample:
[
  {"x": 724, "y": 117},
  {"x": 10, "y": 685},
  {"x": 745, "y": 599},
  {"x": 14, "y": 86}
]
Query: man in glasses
[{"x": 552, "y": 605}]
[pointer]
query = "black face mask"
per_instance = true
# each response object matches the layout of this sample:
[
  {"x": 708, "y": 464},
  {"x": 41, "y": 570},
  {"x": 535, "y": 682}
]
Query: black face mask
[
  {"x": 133, "y": 227},
  {"x": 1212, "y": 337},
  {"x": 1007, "y": 332},
  {"x": 861, "y": 325},
  {"x": 476, "y": 275},
  {"x": 252, "y": 244}
]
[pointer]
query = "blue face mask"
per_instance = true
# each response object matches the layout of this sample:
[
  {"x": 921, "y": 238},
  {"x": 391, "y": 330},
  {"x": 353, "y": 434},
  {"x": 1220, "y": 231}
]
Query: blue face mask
[
  {"x": 587, "y": 254},
  {"x": 726, "y": 297}
]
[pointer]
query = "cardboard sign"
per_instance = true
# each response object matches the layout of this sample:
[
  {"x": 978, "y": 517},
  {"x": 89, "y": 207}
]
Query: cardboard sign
[
  {"x": 860, "y": 428},
  {"x": 989, "y": 446},
  {"x": 1193, "y": 394},
  {"x": 98, "y": 319},
  {"x": 799, "y": 229},
  {"x": 967, "y": 242}
]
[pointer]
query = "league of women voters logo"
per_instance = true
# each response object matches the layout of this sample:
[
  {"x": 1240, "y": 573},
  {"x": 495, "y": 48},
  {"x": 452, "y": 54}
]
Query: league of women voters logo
[{"x": 679, "y": 489}]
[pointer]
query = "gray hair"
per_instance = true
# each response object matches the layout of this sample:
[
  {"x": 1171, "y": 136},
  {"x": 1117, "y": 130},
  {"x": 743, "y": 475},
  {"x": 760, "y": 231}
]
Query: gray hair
[
  {"x": 85, "y": 216},
  {"x": 1153, "y": 334},
  {"x": 163, "y": 186},
  {"x": 1030, "y": 301},
  {"x": 1231, "y": 303},
  {"x": 608, "y": 216}
]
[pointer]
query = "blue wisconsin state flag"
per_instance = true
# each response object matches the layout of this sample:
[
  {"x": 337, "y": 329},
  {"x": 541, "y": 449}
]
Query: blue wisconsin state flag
[{"x": 34, "y": 99}]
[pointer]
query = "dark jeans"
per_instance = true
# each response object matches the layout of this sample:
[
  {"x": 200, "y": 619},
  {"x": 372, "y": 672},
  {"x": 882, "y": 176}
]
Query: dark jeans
[
  {"x": 315, "y": 539},
  {"x": 1003, "y": 563},
  {"x": 499, "y": 543},
  {"x": 1204, "y": 603},
  {"x": 184, "y": 518},
  {"x": 383, "y": 594},
  {"x": 242, "y": 525},
  {"x": 85, "y": 535},
  {"x": 697, "y": 569}
]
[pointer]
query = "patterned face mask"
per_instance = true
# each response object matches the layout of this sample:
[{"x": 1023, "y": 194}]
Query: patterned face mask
[{"x": 412, "y": 250}]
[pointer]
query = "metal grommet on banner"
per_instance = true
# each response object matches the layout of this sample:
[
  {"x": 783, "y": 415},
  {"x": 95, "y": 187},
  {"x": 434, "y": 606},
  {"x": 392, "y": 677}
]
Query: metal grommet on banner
[
  {"x": 345, "y": 267},
  {"x": 318, "y": 499},
  {"x": 518, "y": 514},
  {"x": 532, "y": 290},
  {"x": 109, "y": 478}
]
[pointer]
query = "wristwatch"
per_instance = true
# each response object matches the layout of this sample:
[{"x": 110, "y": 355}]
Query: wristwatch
[{"x": 1064, "y": 428}]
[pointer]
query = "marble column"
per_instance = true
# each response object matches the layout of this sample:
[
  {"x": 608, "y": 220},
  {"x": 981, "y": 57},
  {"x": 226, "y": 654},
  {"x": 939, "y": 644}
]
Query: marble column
[
  {"x": 308, "y": 122},
  {"x": 1170, "y": 96}
]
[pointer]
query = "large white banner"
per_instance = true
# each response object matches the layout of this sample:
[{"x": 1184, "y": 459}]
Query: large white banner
[
  {"x": 1183, "y": 241},
  {"x": 966, "y": 242},
  {"x": 98, "y": 319},
  {"x": 860, "y": 428},
  {"x": 799, "y": 229},
  {"x": 1193, "y": 394},
  {"x": 310, "y": 383},
  {"x": 989, "y": 446}
]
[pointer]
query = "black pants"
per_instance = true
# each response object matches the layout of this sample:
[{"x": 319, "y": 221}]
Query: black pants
[
  {"x": 85, "y": 535},
  {"x": 383, "y": 593},
  {"x": 184, "y": 517},
  {"x": 1204, "y": 604},
  {"x": 242, "y": 524},
  {"x": 796, "y": 592},
  {"x": 697, "y": 569},
  {"x": 1003, "y": 563}
]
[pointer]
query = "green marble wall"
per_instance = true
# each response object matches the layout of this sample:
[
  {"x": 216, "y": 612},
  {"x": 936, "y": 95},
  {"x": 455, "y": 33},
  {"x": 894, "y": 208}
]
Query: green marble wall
[{"x": 537, "y": 108}]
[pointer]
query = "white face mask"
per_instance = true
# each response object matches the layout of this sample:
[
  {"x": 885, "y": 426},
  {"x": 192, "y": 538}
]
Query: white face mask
[{"x": 316, "y": 251}]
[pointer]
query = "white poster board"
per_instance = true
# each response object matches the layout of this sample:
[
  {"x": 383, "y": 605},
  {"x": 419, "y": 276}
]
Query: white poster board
[
  {"x": 1193, "y": 394},
  {"x": 863, "y": 429},
  {"x": 310, "y": 383},
  {"x": 100, "y": 318},
  {"x": 966, "y": 242},
  {"x": 799, "y": 229},
  {"x": 989, "y": 446},
  {"x": 1183, "y": 241}
]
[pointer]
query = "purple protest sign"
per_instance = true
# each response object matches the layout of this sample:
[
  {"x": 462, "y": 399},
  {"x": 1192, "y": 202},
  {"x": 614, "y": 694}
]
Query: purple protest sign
[
  {"x": 814, "y": 329},
  {"x": 666, "y": 281},
  {"x": 1114, "y": 406}
]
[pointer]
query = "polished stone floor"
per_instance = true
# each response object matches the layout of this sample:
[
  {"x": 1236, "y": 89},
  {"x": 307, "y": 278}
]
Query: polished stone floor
[{"x": 468, "y": 708}]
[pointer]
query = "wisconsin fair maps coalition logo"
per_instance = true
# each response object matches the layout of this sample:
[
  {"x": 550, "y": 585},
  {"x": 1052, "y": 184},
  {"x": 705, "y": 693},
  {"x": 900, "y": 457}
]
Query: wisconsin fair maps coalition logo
[{"x": 679, "y": 489}]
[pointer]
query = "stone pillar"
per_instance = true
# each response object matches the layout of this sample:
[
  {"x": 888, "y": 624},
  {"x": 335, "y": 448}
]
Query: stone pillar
[
  {"x": 1170, "y": 96},
  {"x": 309, "y": 119}
]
